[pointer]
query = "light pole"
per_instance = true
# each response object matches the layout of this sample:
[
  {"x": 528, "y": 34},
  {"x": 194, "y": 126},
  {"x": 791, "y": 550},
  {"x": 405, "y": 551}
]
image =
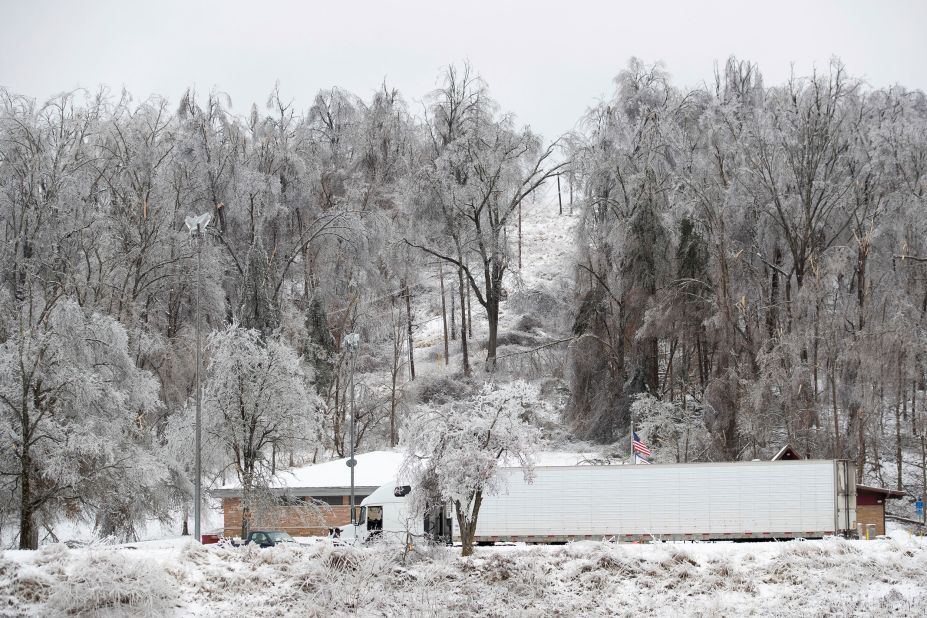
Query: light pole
[
  {"x": 350, "y": 346},
  {"x": 197, "y": 226}
]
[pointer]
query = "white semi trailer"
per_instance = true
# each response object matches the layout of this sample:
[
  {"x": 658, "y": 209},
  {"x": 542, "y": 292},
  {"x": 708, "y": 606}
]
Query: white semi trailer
[{"x": 708, "y": 501}]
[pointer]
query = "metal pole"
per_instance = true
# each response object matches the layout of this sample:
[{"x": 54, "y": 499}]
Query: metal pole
[
  {"x": 353, "y": 462},
  {"x": 199, "y": 388},
  {"x": 633, "y": 454}
]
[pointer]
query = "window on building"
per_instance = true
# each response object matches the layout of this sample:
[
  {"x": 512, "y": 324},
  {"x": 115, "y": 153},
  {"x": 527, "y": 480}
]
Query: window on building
[{"x": 329, "y": 500}]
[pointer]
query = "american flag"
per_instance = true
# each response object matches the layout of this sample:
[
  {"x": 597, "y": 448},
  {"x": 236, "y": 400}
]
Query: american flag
[{"x": 638, "y": 446}]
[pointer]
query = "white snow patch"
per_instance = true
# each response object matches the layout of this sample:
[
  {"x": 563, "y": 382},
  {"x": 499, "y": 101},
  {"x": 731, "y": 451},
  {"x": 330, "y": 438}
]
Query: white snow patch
[{"x": 831, "y": 577}]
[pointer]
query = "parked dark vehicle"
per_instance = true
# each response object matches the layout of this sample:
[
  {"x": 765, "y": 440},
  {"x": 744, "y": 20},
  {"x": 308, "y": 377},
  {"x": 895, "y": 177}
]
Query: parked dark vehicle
[{"x": 268, "y": 538}]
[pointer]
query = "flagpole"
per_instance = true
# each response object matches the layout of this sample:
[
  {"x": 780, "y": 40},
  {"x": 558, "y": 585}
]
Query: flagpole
[{"x": 633, "y": 455}]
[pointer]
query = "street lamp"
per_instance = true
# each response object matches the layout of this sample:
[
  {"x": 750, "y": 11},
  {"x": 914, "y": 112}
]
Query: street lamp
[
  {"x": 197, "y": 226},
  {"x": 350, "y": 343}
]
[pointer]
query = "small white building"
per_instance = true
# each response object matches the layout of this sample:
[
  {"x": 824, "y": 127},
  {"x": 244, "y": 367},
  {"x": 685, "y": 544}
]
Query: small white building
[{"x": 295, "y": 489}]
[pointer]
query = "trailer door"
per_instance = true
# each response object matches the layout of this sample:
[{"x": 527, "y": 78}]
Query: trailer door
[{"x": 845, "y": 490}]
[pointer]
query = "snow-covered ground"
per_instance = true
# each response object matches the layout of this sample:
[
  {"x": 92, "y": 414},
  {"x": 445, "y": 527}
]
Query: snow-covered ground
[
  {"x": 547, "y": 270},
  {"x": 815, "y": 578}
]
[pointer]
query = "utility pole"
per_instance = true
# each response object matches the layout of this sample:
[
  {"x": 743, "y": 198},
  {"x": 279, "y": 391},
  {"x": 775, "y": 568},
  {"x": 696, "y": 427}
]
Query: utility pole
[
  {"x": 198, "y": 488},
  {"x": 350, "y": 345},
  {"x": 197, "y": 226}
]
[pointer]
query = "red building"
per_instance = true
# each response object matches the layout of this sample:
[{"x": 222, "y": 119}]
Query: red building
[{"x": 870, "y": 505}]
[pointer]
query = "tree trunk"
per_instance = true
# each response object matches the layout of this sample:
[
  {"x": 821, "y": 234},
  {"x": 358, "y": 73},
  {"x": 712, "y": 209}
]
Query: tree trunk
[
  {"x": 898, "y": 439},
  {"x": 861, "y": 281},
  {"x": 409, "y": 324},
  {"x": 447, "y": 359},
  {"x": 924, "y": 474},
  {"x": 833, "y": 398},
  {"x": 463, "y": 323},
  {"x": 668, "y": 379},
  {"x": 699, "y": 363},
  {"x": 860, "y": 445},
  {"x": 246, "y": 490},
  {"x": 28, "y": 532},
  {"x": 559, "y": 196},
  {"x": 914, "y": 407},
  {"x": 467, "y": 525},
  {"x": 651, "y": 363},
  {"x": 453, "y": 313},
  {"x": 392, "y": 411},
  {"x": 469, "y": 315},
  {"x": 814, "y": 355},
  {"x": 492, "y": 313},
  {"x": 772, "y": 311},
  {"x": 394, "y": 371}
]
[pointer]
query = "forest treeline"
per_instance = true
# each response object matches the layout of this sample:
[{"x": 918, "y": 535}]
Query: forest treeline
[
  {"x": 751, "y": 258},
  {"x": 748, "y": 272}
]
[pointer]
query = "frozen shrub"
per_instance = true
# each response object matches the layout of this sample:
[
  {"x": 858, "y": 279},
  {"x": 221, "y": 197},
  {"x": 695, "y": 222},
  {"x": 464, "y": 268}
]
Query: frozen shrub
[
  {"x": 516, "y": 338},
  {"x": 53, "y": 553},
  {"x": 113, "y": 584},
  {"x": 341, "y": 561},
  {"x": 497, "y": 569},
  {"x": 442, "y": 389},
  {"x": 528, "y": 323},
  {"x": 22, "y": 585}
]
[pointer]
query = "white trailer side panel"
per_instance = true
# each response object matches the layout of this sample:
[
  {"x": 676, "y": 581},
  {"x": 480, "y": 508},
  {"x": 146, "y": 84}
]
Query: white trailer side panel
[{"x": 714, "y": 500}]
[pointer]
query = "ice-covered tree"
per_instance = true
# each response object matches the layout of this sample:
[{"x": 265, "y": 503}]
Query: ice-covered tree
[
  {"x": 484, "y": 170},
  {"x": 256, "y": 401},
  {"x": 628, "y": 172},
  {"x": 75, "y": 408},
  {"x": 454, "y": 451},
  {"x": 675, "y": 434}
]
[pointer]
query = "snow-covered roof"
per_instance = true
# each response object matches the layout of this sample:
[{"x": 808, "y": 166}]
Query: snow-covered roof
[
  {"x": 373, "y": 470},
  {"x": 786, "y": 453}
]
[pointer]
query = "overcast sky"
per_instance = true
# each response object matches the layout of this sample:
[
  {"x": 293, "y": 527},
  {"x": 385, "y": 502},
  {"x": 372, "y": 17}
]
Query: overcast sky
[{"x": 546, "y": 61}]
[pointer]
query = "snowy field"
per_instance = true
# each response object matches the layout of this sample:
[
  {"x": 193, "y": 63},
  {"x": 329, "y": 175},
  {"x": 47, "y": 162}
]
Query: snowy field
[{"x": 176, "y": 578}]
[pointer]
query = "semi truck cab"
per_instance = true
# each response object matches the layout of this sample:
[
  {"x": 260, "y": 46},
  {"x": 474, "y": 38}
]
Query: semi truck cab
[{"x": 386, "y": 513}]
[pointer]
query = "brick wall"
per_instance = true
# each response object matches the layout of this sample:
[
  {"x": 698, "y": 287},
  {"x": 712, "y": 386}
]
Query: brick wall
[
  {"x": 296, "y": 520},
  {"x": 871, "y": 514}
]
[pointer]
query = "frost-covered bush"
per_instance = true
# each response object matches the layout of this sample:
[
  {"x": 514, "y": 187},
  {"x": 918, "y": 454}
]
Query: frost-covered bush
[
  {"x": 442, "y": 389},
  {"x": 113, "y": 583}
]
